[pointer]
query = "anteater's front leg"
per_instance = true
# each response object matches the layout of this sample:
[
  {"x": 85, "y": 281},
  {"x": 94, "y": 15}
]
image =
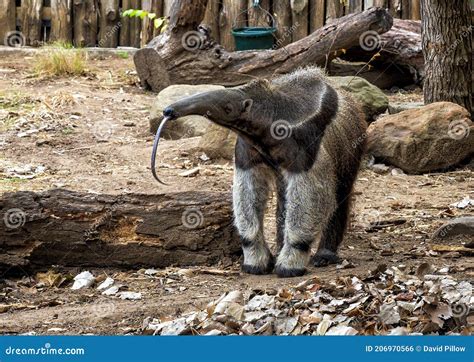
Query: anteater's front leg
[
  {"x": 250, "y": 195},
  {"x": 307, "y": 203}
]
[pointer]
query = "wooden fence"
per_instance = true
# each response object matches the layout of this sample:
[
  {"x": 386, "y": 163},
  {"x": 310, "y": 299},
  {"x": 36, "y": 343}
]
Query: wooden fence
[{"x": 98, "y": 22}]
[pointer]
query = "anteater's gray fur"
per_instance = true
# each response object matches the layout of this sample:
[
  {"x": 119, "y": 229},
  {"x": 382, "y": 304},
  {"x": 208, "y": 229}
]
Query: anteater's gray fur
[{"x": 314, "y": 167}]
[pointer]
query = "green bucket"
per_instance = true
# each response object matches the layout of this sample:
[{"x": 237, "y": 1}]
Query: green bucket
[{"x": 253, "y": 38}]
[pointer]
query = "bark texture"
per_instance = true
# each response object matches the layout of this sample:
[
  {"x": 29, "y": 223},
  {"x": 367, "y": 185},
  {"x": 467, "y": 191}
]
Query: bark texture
[
  {"x": 66, "y": 228},
  {"x": 400, "y": 47},
  {"x": 61, "y": 29},
  {"x": 447, "y": 48}
]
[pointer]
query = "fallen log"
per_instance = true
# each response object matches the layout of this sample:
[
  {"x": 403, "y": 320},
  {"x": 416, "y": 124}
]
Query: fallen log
[
  {"x": 183, "y": 55},
  {"x": 67, "y": 228},
  {"x": 399, "y": 47}
]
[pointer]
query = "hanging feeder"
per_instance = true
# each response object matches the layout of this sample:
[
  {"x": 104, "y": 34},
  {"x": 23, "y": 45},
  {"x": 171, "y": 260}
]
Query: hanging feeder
[{"x": 251, "y": 37}]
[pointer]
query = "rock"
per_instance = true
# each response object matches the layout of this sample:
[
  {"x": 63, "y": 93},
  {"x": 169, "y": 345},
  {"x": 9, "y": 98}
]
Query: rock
[
  {"x": 459, "y": 226},
  {"x": 190, "y": 173},
  {"x": 106, "y": 284},
  {"x": 130, "y": 295},
  {"x": 431, "y": 138},
  {"x": 397, "y": 172},
  {"x": 83, "y": 280},
  {"x": 373, "y": 100},
  {"x": 465, "y": 202},
  {"x": 217, "y": 142},
  {"x": 380, "y": 168},
  {"x": 394, "y": 108},
  {"x": 184, "y": 127}
]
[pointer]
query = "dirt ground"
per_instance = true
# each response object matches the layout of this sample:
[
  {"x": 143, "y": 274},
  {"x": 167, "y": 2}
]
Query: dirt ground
[{"x": 90, "y": 133}]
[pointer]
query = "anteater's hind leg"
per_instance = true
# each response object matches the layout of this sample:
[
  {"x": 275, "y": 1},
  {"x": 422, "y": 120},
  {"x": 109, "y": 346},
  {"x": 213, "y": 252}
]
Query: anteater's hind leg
[
  {"x": 332, "y": 237},
  {"x": 333, "y": 232},
  {"x": 250, "y": 195}
]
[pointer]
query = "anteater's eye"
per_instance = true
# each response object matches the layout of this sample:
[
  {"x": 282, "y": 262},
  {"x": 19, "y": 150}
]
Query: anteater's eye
[{"x": 228, "y": 108}]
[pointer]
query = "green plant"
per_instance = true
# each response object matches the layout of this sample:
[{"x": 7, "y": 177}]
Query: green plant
[
  {"x": 159, "y": 23},
  {"x": 122, "y": 54}
]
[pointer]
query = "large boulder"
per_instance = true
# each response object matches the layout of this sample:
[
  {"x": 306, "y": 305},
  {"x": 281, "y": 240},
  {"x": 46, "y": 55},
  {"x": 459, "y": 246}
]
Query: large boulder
[
  {"x": 184, "y": 127},
  {"x": 372, "y": 99},
  {"x": 430, "y": 138},
  {"x": 218, "y": 142}
]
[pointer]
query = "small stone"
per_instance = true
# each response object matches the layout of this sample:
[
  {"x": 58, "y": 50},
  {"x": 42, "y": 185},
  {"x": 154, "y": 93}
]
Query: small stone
[
  {"x": 190, "y": 173},
  {"x": 83, "y": 280},
  {"x": 151, "y": 272},
  {"x": 397, "y": 172},
  {"x": 107, "y": 283},
  {"x": 130, "y": 295},
  {"x": 380, "y": 168}
]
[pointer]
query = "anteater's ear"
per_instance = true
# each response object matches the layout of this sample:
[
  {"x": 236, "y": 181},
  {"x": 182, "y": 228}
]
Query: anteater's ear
[{"x": 247, "y": 105}]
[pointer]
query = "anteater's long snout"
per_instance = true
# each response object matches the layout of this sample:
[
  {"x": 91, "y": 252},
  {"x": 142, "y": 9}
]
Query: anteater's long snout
[{"x": 198, "y": 105}]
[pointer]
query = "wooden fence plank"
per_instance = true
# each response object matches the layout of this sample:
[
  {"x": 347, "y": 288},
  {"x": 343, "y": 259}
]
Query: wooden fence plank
[
  {"x": 355, "y": 6},
  {"x": 317, "y": 15},
  {"x": 157, "y": 7},
  {"x": 406, "y": 9},
  {"x": 229, "y": 11},
  {"x": 211, "y": 18},
  {"x": 109, "y": 23},
  {"x": 415, "y": 10},
  {"x": 31, "y": 21},
  {"x": 61, "y": 29},
  {"x": 256, "y": 16},
  {"x": 124, "y": 36},
  {"x": 282, "y": 13},
  {"x": 299, "y": 18},
  {"x": 396, "y": 8},
  {"x": 135, "y": 25},
  {"x": 147, "y": 31},
  {"x": 368, "y": 4},
  {"x": 334, "y": 10},
  {"x": 381, "y": 3},
  {"x": 78, "y": 20},
  {"x": 7, "y": 19},
  {"x": 85, "y": 22}
]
